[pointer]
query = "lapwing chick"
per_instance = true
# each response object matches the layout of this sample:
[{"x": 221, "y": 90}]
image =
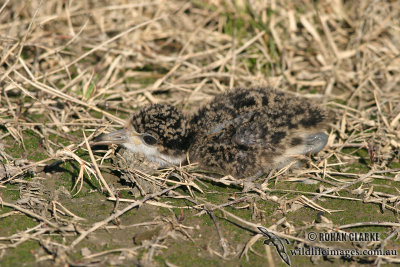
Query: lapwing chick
[{"x": 241, "y": 132}]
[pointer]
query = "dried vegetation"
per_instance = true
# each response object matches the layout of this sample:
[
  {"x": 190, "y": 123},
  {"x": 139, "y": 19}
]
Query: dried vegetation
[{"x": 71, "y": 69}]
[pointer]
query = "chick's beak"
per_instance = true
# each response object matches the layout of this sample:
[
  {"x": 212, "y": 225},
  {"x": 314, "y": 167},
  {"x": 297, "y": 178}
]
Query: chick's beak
[{"x": 118, "y": 137}]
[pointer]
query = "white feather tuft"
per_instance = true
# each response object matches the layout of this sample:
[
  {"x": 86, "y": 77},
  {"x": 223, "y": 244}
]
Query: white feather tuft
[{"x": 152, "y": 154}]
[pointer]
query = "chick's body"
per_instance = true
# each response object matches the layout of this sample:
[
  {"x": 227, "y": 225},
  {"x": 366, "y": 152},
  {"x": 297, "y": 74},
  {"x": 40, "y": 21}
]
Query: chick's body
[
  {"x": 245, "y": 132},
  {"x": 242, "y": 132}
]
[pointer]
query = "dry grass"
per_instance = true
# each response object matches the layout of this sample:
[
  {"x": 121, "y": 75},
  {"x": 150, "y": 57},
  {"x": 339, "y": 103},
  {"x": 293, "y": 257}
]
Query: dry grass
[{"x": 70, "y": 67}]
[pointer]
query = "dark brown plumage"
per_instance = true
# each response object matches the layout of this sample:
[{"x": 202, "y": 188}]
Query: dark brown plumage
[
  {"x": 167, "y": 125},
  {"x": 249, "y": 131},
  {"x": 242, "y": 132}
]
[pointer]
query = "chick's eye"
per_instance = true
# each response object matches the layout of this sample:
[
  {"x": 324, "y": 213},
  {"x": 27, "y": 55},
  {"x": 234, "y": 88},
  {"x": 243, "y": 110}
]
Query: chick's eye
[{"x": 149, "y": 140}]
